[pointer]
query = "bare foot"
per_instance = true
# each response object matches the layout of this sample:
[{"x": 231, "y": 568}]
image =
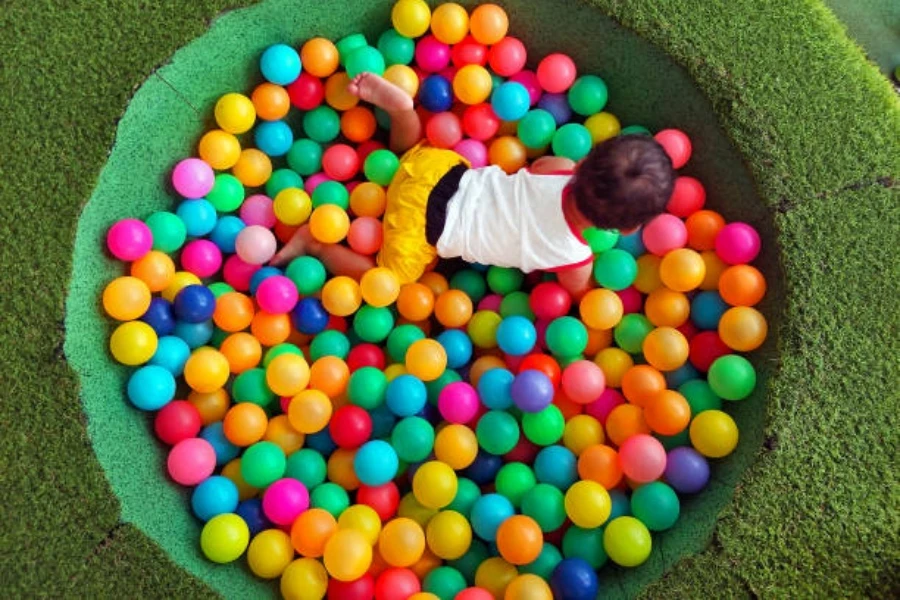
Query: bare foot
[
  {"x": 380, "y": 92},
  {"x": 301, "y": 243}
]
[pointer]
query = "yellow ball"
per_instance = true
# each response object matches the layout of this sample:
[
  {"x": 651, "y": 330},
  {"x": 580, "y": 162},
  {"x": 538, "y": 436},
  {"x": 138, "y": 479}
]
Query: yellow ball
[
  {"x": 233, "y": 472},
  {"x": 219, "y": 149},
  {"x": 682, "y": 270},
  {"x": 292, "y": 206},
  {"x": 424, "y": 596},
  {"x": 714, "y": 434},
  {"x": 310, "y": 411},
  {"x": 582, "y": 432},
  {"x": 602, "y": 126},
  {"x": 380, "y": 287},
  {"x": 270, "y": 553},
  {"x": 588, "y": 504},
  {"x": 528, "y": 587},
  {"x": 456, "y": 445},
  {"x": 362, "y": 518},
  {"x": 348, "y": 555},
  {"x": 450, "y": 23},
  {"x": 666, "y": 348},
  {"x": 235, "y": 113},
  {"x": 648, "y": 278},
  {"x": 715, "y": 266},
  {"x": 304, "y": 579},
  {"x": 449, "y": 535},
  {"x": 224, "y": 538},
  {"x": 179, "y": 281},
  {"x": 411, "y": 18},
  {"x": 288, "y": 375},
  {"x": 401, "y": 542},
  {"x": 206, "y": 370},
  {"x": 743, "y": 328},
  {"x": 495, "y": 575},
  {"x": 403, "y": 77},
  {"x": 426, "y": 359},
  {"x": 329, "y": 224},
  {"x": 341, "y": 296},
  {"x": 614, "y": 362},
  {"x": 394, "y": 371},
  {"x": 434, "y": 484},
  {"x": 472, "y": 84},
  {"x": 133, "y": 343},
  {"x": 411, "y": 509},
  {"x": 601, "y": 309},
  {"x": 280, "y": 432},
  {"x": 126, "y": 298}
]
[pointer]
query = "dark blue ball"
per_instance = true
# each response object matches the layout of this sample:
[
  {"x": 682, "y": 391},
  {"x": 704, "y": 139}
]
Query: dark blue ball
[
  {"x": 383, "y": 421},
  {"x": 160, "y": 316},
  {"x": 195, "y": 304},
  {"x": 484, "y": 468},
  {"x": 574, "y": 579},
  {"x": 558, "y": 106},
  {"x": 309, "y": 316},
  {"x": 321, "y": 442},
  {"x": 251, "y": 512},
  {"x": 436, "y": 94},
  {"x": 706, "y": 309}
]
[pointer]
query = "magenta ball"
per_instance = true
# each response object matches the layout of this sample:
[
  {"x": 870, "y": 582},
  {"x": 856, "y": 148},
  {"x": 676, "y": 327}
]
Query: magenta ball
[
  {"x": 314, "y": 181},
  {"x": 277, "y": 295},
  {"x": 193, "y": 178},
  {"x": 258, "y": 210},
  {"x": 458, "y": 402},
  {"x": 201, "y": 257},
  {"x": 632, "y": 301},
  {"x": 556, "y": 73},
  {"x": 473, "y": 151},
  {"x": 604, "y": 404},
  {"x": 530, "y": 81},
  {"x": 491, "y": 302},
  {"x": 583, "y": 381},
  {"x": 664, "y": 233},
  {"x": 340, "y": 162},
  {"x": 643, "y": 458},
  {"x": 432, "y": 55},
  {"x": 284, "y": 500},
  {"x": 737, "y": 243},
  {"x": 129, "y": 239},
  {"x": 444, "y": 130},
  {"x": 237, "y": 273},
  {"x": 676, "y": 144},
  {"x": 255, "y": 244},
  {"x": 688, "y": 197},
  {"x": 191, "y": 461},
  {"x": 507, "y": 57}
]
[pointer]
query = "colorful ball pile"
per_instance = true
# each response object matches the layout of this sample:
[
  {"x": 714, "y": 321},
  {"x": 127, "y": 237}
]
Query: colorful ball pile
[{"x": 484, "y": 436}]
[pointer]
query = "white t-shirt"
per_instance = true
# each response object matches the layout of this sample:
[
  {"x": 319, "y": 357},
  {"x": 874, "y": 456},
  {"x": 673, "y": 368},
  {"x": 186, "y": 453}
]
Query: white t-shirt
[{"x": 512, "y": 221}]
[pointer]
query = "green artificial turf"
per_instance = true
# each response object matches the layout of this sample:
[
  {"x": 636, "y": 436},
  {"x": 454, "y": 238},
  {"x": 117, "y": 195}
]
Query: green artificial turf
[
  {"x": 818, "y": 129},
  {"x": 875, "y": 25}
]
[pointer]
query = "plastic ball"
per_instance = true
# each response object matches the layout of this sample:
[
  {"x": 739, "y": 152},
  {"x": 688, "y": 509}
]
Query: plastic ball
[
  {"x": 532, "y": 391},
  {"x": 329, "y": 224},
  {"x": 665, "y": 348},
  {"x": 287, "y": 375},
  {"x": 235, "y": 113},
  {"x": 667, "y": 413},
  {"x": 269, "y": 554},
  {"x": 347, "y": 555},
  {"x": 615, "y": 269},
  {"x": 365, "y": 59},
  {"x": 688, "y": 196},
  {"x": 245, "y": 424},
  {"x": 676, "y": 144},
  {"x": 432, "y": 55},
  {"x": 280, "y": 64},
  {"x": 227, "y": 192},
  {"x": 507, "y": 57},
  {"x": 380, "y": 166},
  {"x": 536, "y": 129},
  {"x": 219, "y": 149},
  {"x": 379, "y": 287},
  {"x": 510, "y": 101},
  {"x": 176, "y": 421},
  {"x": 167, "y": 230},
  {"x": 516, "y": 335},
  {"x": 737, "y": 243},
  {"x": 262, "y": 464},
  {"x": 687, "y": 471},
  {"x": 436, "y": 94},
  {"x": 627, "y": 541},
  {"x": 732, "y": 377},
  {"x": 583, "y": 381},
  {"x": 224, "y": 538},
  {"x": 191, "y": 461},
  {"x": 311, "y": 530},
  {"x": 519, "y": 540},
  {"x": 411, "y": 18},
  {"x": 434, "y": 484},
  {"x": 714, "y": 434},
  {"x": 398, "y": 584},
  {"x": 443, "y": 130},
  {"x": 375, "y": 463},
  {"x": 126, "y": 298},
  {"x": 322, "y": 124},
  {"x": 574, "y": 579},
  {"x": 743, "y": 328},
  {"x": 284, "y": 500},
  {"x": 449, "y": 23},
  {"x": 129, "y": 239},
  {"x": 319, "y": 57},
  {"x": 643, "y": 458},
  {"x": 488, "y": 24},
  {"x": 742, "y": 285},
  {"x": 472, "y": 84},
  {"x": 682, "y": 270},
  {"x": 587, "y": 504},
  {"x": 401, "y": 542},
  {"x": 304, "y": 579},
  {"x": 566, "y": 337},
  {"x": 572, "y": 141},
  {"x": 602, "y": 126},
  {"x": 663, "y": 234}
]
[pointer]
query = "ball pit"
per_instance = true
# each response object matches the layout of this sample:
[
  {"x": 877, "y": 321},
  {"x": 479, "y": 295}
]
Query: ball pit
[{"x": 541, "y": 410}]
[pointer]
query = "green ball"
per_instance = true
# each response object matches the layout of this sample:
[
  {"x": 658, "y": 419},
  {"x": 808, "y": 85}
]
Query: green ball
[
  {"x": 566, "y": 336},
  {"x": 631, "y": 331},
  {"x": 331, "y": 192},
  {"x": 536, "y": 128},
  {"x": 573, "y": 141},
  {"x": 262, "y": 464},
  {"x": 497, "y": 432},
  {"x": 544, "y": 564},
  {"x": 308, "y": 274},
  {"x": 471, "y": 282},
  {"x": 469, "y": 562},
  {"x": 482, "y": 328},
  {"x": 518, "y": 304},
  {"x": 331, "y": 497},
  {"x": 700, "y": 396},
  {"x": 282, "y": 179},
  {"x": 586, "y": 544},
  {"x": 305, "y": 157},
  {"x": 588, "y": 95},
  {"x": 615, "y": 269},
  {"x": 322, "y": 124},
  {"x": 545, "y": 504},
  {"x": 444, "y": 582},
  {"x": 227, "y": 193},
  {"x": 400, "y": 339},
  {"x": 601, "y": 240},
  {"x": 218, "y": 336},
  {"x": 346, "y": 46},
  {"x": 380, "y": 166},
  {"x": 413, "y": 439},
  {"x": 276, "y": 351},
  {"x": 545, "y": 427},
  {"x": 627, "y": 541},
  {"x": 496, "y": 80},
  {"x": 504, "y": 280},
  {"x": 467, "y": 493},
  {"x": 367, "y": 387},
  {"x": 732, "y": 377},
  {"x": 435, "y": 386},
  {"x": 669, "y": 442},
  {"x": 330, "y": 342},
  {"x": 396, "y": 49},
  {"x": 251, "y": 386},
  {"x": 169, "y": 232},
  {"x": 306, "y": 466},
  {"x": 373, "y": 324},
  {"x": 514, "y": 480},
  {"x": 635, "y": 130},
  {"x": 219, "y": 288},
  {"x": 365, "y": 59},
  {"x": 655, "y": 505}
]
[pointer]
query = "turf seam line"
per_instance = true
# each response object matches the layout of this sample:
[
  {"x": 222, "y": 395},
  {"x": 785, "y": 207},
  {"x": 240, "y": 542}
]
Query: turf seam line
[
  {"x": 177, "y": 92},
  {"x": 885, "y": 181}
]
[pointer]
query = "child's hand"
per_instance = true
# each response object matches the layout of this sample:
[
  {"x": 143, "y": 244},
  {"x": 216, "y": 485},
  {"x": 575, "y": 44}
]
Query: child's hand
[{"x": 296, "y": 246}]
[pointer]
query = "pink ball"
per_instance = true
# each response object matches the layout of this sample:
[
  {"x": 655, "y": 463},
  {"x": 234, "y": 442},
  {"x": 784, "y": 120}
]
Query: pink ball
[
  {"x": 688, "y": 197},
  {"x": 583, "y": 381},
  {"x": 491, "y": 302},
  {"x": 193, "y": 178},
  {"x": 258, "y": 210},
  {"x": 556, "y": 73},
  {"x": 664, "y": 233},
  {"x": 201, "y": 257},
  {"x": 129, "y": 239},
  {"x": 255, "y": 244},
  {"x": 473, "y": 151},
  {"x": 643, "y": 458},
  {"x": 237, "y": 273},
  {"x": 365, "y": 235},
  {"x": 602, "y": 406},
  {"x": 191, "y": 461},
  {"x": 676, "y": 144},
  {"x": 507, "y": 57},
  {"x": 632, "y": 301},
  {"x": 340, "y": 162},
  {"x": 284, "y": 500},
  {"x": 549, "y": 300},
  {"x": 443, "y": 130},
  {"x": 737, "y": 243},
  {"x": 530, "y": 81},
  {"x": 313, "y": 181},
  {"x": 277, "y": 295},
  {"x": 458, "y": 402},
  {"x": 431, "y": 54}
]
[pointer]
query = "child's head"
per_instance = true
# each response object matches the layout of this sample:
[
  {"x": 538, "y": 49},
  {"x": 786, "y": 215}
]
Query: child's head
[{"x": 624, "y": 182}]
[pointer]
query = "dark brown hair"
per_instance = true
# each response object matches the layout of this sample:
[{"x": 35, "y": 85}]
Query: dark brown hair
[{"x": 624, "y": 182}]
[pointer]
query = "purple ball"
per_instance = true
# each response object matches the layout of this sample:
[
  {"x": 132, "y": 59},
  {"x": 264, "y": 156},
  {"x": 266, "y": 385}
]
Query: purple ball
[
  {"x": 686, "y": 470},
  {"x": 558, "y": 106},
  {"x": 532, "y": 391}
]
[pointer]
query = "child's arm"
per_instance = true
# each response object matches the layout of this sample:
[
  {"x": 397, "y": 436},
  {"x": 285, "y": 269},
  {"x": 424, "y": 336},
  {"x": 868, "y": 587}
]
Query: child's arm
[
  {"x": 551, "y": 164},
  {"x": 577, "y": 281}
]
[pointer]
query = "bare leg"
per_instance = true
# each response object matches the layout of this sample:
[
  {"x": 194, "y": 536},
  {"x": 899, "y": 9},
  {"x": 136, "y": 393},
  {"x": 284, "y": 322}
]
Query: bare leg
[
  {"x": 338, "y": 259},
  {"x": 406, "y": 127}
]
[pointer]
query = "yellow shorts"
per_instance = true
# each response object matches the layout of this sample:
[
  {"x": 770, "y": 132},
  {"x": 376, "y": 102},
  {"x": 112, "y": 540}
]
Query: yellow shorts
[{"x": 406, "y": 250}]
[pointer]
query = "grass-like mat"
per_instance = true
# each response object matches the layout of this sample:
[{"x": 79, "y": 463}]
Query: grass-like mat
[{"x": 818, "y": 129}]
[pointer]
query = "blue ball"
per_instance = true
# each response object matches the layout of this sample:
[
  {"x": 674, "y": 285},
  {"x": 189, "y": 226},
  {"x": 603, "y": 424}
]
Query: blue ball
[
  {"x": 199, "y": 216},
  {"x": 274, "y": 138},
  {"x": 557, "y": 466},
  {"x": 436, "y": 94},
  {"x": 574, "y": 579},
  {"x": 510, "y": 101},
  {"x": 214, "y": 496},
  {"x": 309, "y": 316},
  {"x": 633, "y": 243},
  {"x": 261, "y": 275},
  {"x": 621, "y": 505},
  {"x": 321, "y": 442},
  {"x": 151, "y": 387},
  {"x": 160, "y": 316},
  {"x": 484, "y": 468},
  {"x": 383, "y": 421},
  {"x": 214, "y": 433},
  {"x": 406, "y": 395},
  {"x": 706, "y": 309},
  {"x": 195, "y": 334},
  {"x": 684, "y": 373},
  {"x": 495, "y": 389},
  {"x": 488, "y": 513},
  {"x": 171, "y": 354},
  {"x": 280, "y": 64},
  {"x": 516, "y": 335},
  {"x": 252, "y": 513},
  {"x": 458, "y": 347},
  {"x": 225, "y": 233},
  {"x": 376, "y": 463},
  {"x": 194, "y": 304},
  {"x": 558, "y": 106}
]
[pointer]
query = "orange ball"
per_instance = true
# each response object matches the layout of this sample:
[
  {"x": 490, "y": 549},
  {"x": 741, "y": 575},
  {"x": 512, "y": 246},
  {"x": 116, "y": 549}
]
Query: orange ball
[
  {"x": 219, "y": 149},
  {"x": 520, "y": 540},
  {"x": 269, "y": 329},
  {"x": 245, "y": 424},
  {"x": 600, "y": 463},
  {"x": 415, "y": 302},
  {"x": 253, "y": 167},
  {"x": 456, "y": 445},
  {"x": 329, "y": 224},
  {"x": 126, "y": 298},
  {"x": 667, "y": 308},
  {"x": 311, "y": 531},
  {"x": 358, "y": 124},
  {"x": 453, "y": 308},
  {"x": 740, "y": 285},
  {"x": 682, "y": 270},
  {"x": 401, "y": 542},
  {"x": 598, "y": 339},
  {"x": 508, "y": 153},
  {"x": 488, "y": 24},
  {"x": 319, "y": 57},
  {"x": 743, "y": 328},
  {"x": 601, "y": 309},
  {"x": 271, "y": 101},
  {"x": 368, "y": 199},
  {"x": 341, "y": 296},
  {"x": 379, "y": 287},
  {"x": 155, "y": 268},
  {"x": 568, "y": 407},
  {"x": 625, "y": 421},
  {"x": 282, "y": 434},
  {"x": 449, "y": 23},
  {"x": 426, "y": 359},
  {"x": 234, "y": 312},
  {"x": 242, "y": 350},
  {"x": 666, "y": 348},
  {"x": 340, "y": 469},
  {"x": 336, "y": 94},
  {"x": 403, "y": 77},
  {"x": 482, "y": 365},
  {"x": 436, "y": 282},
  {"x": 212, "y": 406},
  {"x": 233, "y": 472},
  {"x": 702, "y": 228},
  {"x": 648, "y": 278},
  {"x": 329, "y": 374},
  {"x": 715, "y": 266},
  {"x": 667, "y": 413},
  {"x": 642, "y": 382}
]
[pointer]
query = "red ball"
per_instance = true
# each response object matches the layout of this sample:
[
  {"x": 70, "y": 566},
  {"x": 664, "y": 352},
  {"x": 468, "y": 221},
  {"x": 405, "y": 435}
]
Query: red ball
[
  {"x": 178, "y": 420},
  {"x": 337, "y": 324},
  {"x": 306, "y": 92},
  {"x": 676, "y": 144},
  {"x": 524, "y": 451},
  {"x": 358, "y": 589},
  {"x": 549, "y": 300},
  {"x": 365, "y": 355},
  {"x": 556, "y": 73},
  {"x": 507, "y": 57},
  {"x": 688, "y": 197},
  {"x": 340, "y": 162},
  {"x": 366, "y": 235},
  {"x": 480, "y": 122},
  {"x": 706, "y": 347},
  {"x": 474, "y": 593},
  {"x": 443, "y": 130},
  {"x": 397, "y": 584},
  {"x": 469, "y": 52},
  {"x": 632, "y": 300},
  {"x": 544, "y": 363},
  {"x": 688, "y": 330},
  {"x": 366, "y": 148},
  {"x": 383, "y": 499},
  {"x": 350, "y": 426}
]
